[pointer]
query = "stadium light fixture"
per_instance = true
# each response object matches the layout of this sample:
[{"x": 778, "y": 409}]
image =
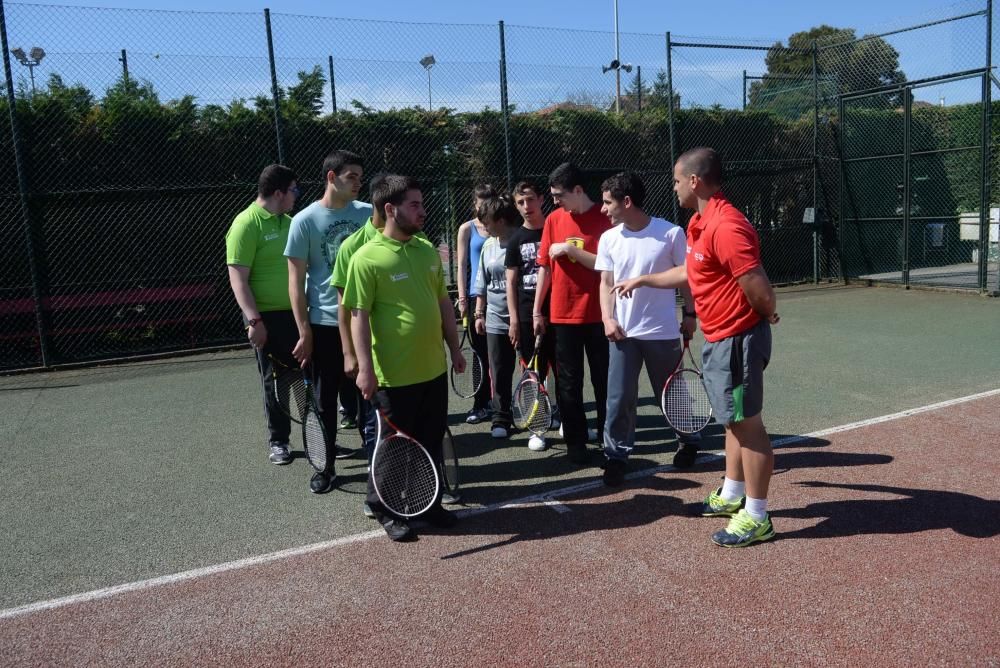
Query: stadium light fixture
[
  {"x": 428, "y": 62},
  {"x": 30, "y": 60}
]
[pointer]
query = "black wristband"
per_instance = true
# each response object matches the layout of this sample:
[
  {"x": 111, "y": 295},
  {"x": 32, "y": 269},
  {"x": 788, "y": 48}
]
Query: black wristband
[{"x": 690, "y": 314}]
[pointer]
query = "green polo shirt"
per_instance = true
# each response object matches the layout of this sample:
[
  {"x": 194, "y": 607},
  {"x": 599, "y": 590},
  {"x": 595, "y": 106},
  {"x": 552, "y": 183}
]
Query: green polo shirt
[
  {"x": 350, "y": 246},
  {"x": 401, "y": 286},
  {"x": 257, "y": 239}
]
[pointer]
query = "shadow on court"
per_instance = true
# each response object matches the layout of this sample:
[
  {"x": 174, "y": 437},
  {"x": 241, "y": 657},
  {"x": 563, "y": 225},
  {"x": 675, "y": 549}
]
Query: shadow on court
[{"x": 920, "y": 510}]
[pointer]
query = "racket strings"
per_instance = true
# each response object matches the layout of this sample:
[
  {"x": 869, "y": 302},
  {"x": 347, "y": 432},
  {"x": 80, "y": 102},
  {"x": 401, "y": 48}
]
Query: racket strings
[
  {"x": 685, "y": 402},
  {"x": 314, "y": 439},
  {"x": 290, "y": 390},
  {"x": 404, "y": 476},
  {"x": 524, "y": 399},
  {"x": 450, "y": 457},
  {"x": 468, "y": 383},
  {"x": 531, "y": 407}
]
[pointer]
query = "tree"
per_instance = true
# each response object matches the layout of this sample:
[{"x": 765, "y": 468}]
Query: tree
[
  {"x": 307, "y": 95},
  {"x": 845, "y": 64},
  {"x": 659, "y": 93},
  {"x": 654, "y": 96}
]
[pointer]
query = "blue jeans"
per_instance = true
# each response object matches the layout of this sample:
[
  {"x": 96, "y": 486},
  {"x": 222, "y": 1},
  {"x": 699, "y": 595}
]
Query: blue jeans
[{"x": 626, "y": 359}]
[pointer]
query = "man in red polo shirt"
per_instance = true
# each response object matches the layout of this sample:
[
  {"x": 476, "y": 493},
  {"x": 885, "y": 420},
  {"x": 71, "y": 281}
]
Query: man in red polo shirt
[
  {"x": 566, "y": 257},
  {"x": 736, "y": 305}
]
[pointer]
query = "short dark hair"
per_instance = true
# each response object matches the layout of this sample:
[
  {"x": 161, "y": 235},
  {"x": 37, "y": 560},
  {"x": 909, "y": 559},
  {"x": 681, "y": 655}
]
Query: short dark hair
[
  {"x": 525, "y": 185},
  {"x": 567, "y": 176},
  {"x": 392, "y": 189},
  {"x": 625, "y": 184},
  {"x": 376, "y": 187},
  {"x": 499, "y": 208},
  {"x": 704, "y": 163},
  {"x": 336, "y": 161},
  {"x": 274, "y": 178},
  {"x": 484, "y": 191}
]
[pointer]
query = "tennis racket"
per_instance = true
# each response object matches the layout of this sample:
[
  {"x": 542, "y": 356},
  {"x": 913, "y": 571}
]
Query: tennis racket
[
  {"x": 467, "y": 384},
  {"x": 685, "y": 400},
  {"x": 313, "y": 432},
  {"x": 404, "y": 476},
  {"x": 289, "y": 389},
  {"x": 450, "y": 470},
  {"x": 530, "y": 404}
]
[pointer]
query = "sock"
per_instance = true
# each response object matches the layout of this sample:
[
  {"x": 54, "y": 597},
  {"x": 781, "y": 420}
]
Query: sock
[
  {"x": 732, "y": 489},
  {"x": 757, "y": 508}
]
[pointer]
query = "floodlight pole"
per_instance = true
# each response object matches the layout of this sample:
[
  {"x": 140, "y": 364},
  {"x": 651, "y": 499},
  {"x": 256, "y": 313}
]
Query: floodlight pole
[
  {"x": 618, "y": 70},
  {"x": 430, "y": 104}
]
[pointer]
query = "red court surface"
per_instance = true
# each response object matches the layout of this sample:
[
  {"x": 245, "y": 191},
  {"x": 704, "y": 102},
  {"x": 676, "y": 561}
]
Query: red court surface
[{"x": 887, "y": 555}]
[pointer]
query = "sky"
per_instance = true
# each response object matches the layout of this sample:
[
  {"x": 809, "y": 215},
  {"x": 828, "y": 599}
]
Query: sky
[{"x": 554, "y": 50}]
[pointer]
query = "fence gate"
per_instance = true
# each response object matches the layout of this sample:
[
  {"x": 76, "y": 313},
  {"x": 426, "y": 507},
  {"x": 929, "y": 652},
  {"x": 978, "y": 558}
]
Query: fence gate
[{"x": 914, "y": 200}]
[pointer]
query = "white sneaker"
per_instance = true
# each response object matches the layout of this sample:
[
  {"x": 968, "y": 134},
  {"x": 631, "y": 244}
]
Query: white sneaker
[
  {"x": 499, "y": 432},
  {"x": 591, "y": 434},
  {"x": 536, "y": 443}
]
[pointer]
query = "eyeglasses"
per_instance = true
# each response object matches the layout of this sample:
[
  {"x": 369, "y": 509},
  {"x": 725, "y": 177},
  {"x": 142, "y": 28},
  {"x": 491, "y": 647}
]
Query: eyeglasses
[{"x": 294, "y": 190}]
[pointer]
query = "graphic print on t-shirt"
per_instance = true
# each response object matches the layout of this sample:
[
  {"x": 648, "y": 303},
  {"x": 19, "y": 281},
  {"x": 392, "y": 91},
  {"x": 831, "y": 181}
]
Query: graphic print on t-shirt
[{"x": 334, "y": 236}]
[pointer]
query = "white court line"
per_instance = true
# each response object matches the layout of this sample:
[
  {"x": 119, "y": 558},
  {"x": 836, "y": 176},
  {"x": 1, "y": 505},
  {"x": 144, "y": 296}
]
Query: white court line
[
  {"x": 545, "y": 498},
  {"x": 885, "y": 418}
]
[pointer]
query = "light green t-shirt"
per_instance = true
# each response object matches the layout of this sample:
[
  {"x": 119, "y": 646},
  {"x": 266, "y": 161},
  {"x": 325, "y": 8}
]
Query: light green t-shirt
[
  {"x": 257, "y": 239},
  {"x": 401, "y": 286}
]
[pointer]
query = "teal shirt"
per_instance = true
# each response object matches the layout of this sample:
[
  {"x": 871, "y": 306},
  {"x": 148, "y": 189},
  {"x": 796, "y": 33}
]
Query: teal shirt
[{"x": 315, "y": 236}]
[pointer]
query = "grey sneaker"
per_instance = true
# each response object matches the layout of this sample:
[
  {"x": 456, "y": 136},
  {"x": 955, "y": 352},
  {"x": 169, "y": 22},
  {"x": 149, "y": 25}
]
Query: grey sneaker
[
  {"x": 279, "y": 454},
  {"x": 369, "y": 513}
]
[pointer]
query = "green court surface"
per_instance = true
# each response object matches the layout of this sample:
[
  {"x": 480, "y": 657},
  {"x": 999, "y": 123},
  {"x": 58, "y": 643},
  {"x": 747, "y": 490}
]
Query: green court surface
[{"x": 120, "y": 473}]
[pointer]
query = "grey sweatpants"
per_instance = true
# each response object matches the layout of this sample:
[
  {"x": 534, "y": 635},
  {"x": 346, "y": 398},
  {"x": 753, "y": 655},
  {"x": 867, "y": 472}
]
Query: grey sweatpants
[{"x": 626, "y": 359}]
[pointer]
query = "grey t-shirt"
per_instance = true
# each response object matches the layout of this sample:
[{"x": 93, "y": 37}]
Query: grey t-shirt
[{"x": 492, "y": 276}]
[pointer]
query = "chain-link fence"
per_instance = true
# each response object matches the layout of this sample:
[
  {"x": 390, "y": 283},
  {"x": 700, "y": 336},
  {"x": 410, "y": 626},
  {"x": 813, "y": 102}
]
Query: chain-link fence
[{"x": 138, "y": 135}]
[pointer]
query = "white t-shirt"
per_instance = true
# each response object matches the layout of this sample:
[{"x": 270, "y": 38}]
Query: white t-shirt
[{"x": 650, "y": 313}]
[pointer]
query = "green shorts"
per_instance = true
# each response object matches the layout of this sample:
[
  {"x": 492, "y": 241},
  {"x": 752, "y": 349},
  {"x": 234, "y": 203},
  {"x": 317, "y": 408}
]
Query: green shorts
[{"x": 733, "y": 369}]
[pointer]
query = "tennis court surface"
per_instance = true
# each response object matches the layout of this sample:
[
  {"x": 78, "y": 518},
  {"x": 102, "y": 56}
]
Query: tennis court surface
[{"x": 145, "y": 526}]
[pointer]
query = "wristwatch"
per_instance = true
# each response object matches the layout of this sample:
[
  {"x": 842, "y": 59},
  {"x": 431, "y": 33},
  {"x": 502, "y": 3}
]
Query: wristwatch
[{"x": 252, "y": 321}]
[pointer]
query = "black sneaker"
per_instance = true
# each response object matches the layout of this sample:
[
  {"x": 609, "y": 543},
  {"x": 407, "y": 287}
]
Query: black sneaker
[
  {"x": 477, "y": 415},
  {"x": 577, "y": 453},
  {"x": 685, "y": 456},
  {"x": 343, "y": 453},
  {"x": 279, "y": 454},
  {"x": 398, "y": 531},
  {"x": 440, "y": 517},
  {"x": 614, "y": 473},
  {"x": 321, "y": 483}
]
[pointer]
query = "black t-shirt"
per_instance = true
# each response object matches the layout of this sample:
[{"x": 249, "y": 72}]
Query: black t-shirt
[{"x": 522, "y": 254}]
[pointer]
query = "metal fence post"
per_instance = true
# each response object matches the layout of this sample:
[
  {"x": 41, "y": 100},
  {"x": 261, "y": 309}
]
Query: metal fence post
[
  {"x": 124, "y": 60},
  {"x": 907, "y": 118},
  {"x": 670, "y": 123},
  {"x": 985, "y": 218},
  {"x": 505, "y": 107},
  {"x": 815, "y": 175},
  {"x": 275, "y": 94},
  {"x": 638, "y": 88},
  {"x": 22, "y": 185},
  {"x": 333, "y": 87}
]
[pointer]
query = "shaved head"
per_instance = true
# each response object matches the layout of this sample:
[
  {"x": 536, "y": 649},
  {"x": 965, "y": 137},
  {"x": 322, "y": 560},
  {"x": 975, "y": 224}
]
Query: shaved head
[{"x": 702, "y": 162}]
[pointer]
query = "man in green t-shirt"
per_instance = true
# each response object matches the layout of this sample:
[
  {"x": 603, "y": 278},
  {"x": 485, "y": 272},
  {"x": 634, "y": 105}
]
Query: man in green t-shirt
[
  {"x": 400, "y": 310},
  {"x": 258, "y": 274}
]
